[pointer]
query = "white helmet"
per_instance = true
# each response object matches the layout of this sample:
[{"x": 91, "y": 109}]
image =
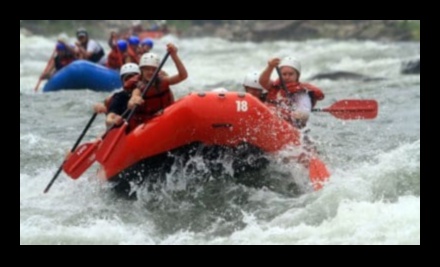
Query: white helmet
[
  {"x": 251, "y": 80},
  {"x": 149, "y": 59},
  {"x": 291, "y": 62},
  {"x": 220, "y": 90},
  {"x": 129, "y": 68}
]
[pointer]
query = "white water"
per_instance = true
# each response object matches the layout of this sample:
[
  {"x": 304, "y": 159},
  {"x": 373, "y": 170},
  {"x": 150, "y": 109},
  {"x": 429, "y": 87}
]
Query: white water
[{"x": 373, "y": 196}]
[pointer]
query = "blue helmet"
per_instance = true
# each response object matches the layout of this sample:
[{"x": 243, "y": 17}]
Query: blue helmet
[
  {"x": 122, "y": 45},
  {"x": 133, "y": 40},
  {"x": 147, "y": 42},
  {"x": 60, "y": 46}
]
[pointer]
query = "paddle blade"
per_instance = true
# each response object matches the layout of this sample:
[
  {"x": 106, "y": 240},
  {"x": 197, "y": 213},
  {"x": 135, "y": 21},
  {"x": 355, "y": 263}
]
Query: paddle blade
[
  {"x": 318, "y": 173},
  {"x": 353, "y": 109},
  {"x": 81, "y": 159},
  {"x": 109, "y": 143}
]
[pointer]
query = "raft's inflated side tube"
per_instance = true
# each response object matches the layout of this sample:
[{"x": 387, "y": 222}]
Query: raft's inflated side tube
[{"x": 83, "y": 74}]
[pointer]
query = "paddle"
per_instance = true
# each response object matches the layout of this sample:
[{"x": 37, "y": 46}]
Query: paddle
[
  {"x": 352, "y": 109},
  {"x": 115, "y": 135},
  {"x": 84, "y": 156},
  {"x": 318, "y": 172},
  {"x": 81, "y": 159},
  {"x": 45, "y": 70},
  {"x": 73, "y": 148}
]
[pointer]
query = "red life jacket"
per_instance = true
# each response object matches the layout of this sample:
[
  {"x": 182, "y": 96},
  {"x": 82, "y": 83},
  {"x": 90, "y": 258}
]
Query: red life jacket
[
  {"x": 277, "y": 94},
  {"x": 158, "y": 97},
  {"x": 115, "y": 59},
  {"x": 133, "y": 54},
  {"x": 62, "y": 61}
]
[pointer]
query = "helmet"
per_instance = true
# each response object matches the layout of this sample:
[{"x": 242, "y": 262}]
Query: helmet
[
  {"x": 149, "y": 59},
  {"x": 220, "y": 90},
  {"x": 133, "y": 40},
  {"x": 291, "y": 62},
  {"x": 122, "y": 45},
  {"x": 251, "y": 80},
  {"x": 81, "y": 32},
  {"x": 60, "y": 46},
  {"x": 129, "y": 68},
  {"x": 147, "y": 42}
]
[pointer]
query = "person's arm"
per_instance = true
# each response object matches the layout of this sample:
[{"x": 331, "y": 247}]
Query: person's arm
[
  {"x": 92, "y": 47},
  {"x": 113, "y": 118},
  {"x": 182, "y": 73},
  {"x": 80, "y": 51},
  {"x": 99, "y": 108},
  {"x": 50, "y": 70},
  {"x": 112, "y": 40},
  {"x": 136, "y": 99},
  {"x": 265, "y": 75}
]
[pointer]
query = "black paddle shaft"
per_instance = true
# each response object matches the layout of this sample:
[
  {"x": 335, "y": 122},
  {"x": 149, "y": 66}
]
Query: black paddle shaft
[{"x": 73, "y": 149}]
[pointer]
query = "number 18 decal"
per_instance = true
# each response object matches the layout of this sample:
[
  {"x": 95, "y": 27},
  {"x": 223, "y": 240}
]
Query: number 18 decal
[{"x": 242, "y": 106}]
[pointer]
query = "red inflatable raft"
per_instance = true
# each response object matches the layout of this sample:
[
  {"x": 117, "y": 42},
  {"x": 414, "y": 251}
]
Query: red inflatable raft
[{"x": 211, "y": 122}]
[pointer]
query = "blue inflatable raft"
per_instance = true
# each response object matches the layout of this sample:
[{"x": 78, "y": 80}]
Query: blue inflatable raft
[{"x": 83, "y": 74}]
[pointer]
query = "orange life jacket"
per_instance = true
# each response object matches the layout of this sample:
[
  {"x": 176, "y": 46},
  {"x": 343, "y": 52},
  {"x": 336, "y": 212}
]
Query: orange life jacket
[{"x": 277, "y": 94}]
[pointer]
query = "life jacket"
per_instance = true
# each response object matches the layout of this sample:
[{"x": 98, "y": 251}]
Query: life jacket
[
  {"x": 278, "y": 95},
  {"x": 133, "y": 55},
  {"x": 61, "y": 62},
  {"x": 115, "y": 59},
  {"x": 158, "y": 97}
]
